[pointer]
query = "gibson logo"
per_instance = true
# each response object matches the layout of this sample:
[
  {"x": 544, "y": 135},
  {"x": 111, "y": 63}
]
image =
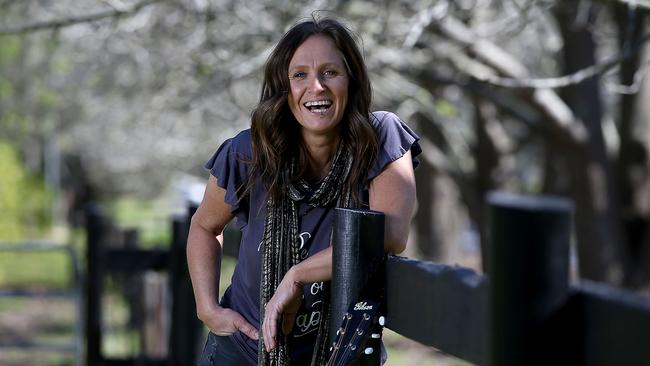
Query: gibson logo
[{"x": 362, "y": 306}]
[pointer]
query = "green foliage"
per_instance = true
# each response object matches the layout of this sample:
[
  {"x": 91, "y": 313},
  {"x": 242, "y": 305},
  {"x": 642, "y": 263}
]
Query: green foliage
[
  {"x": 444, "y": 108},
  {"x": 48, "y": 98},
  {"x": 24, "y": 200},
  {"x": 61, "y": 65},
  {"x": 15, "y": 123},
  {"x": 150, "y": 217},
  {"x": 203, "y": 70},
  {"x": 9, "y": 50},
  {"x": 6, "y": 88},
  {"x": 51, "y": 270}
]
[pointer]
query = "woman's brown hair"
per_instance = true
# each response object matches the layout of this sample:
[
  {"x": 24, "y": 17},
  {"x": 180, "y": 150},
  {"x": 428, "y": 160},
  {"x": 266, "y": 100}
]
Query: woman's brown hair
[{"x": 275, "y": 130}]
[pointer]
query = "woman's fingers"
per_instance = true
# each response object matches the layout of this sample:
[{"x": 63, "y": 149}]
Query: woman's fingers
[
  {"x": 228, "y": 321},
  {"x": 270, "y": 326},
  {"x": 285, "y": 302},
  {"x": 245, "y": 327}
]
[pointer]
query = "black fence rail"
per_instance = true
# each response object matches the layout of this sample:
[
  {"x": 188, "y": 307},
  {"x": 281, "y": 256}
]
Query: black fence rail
[
  {"x": 71, "y": 292},
  {"x": 524, "y": 312},
  {"x": 105, "y": 256}
]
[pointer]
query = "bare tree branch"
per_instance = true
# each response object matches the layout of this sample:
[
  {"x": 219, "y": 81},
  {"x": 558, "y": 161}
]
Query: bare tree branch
[
  {"x": 557, "y": 112},
  {"x": 495, "y": 55},
  {"x": 561, "y": 81},
  {"x": 66, "y": 22},
  {"x": 424, "y": 19},
  {"x": 633, "y": 88}
]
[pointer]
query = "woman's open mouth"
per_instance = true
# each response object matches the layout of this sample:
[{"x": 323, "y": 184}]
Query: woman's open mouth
[{"x": 320, "y": 106}]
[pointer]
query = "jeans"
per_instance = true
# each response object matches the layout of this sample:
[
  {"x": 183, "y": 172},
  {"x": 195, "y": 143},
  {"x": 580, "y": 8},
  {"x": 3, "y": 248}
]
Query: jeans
[{"x": 222, "y": 351}]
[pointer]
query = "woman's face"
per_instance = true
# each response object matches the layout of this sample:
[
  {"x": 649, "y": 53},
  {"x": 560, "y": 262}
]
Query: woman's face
[{"x": 319, "y": 85}]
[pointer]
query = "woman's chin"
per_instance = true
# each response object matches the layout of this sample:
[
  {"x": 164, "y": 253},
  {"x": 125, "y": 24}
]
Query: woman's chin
[
  {"x": 319, "y": 122},
  {"x": 320, "y": 126}
]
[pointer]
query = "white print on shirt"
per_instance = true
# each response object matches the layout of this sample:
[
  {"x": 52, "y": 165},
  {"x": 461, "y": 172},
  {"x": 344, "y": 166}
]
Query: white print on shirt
[
  {"x": 316, "y": 287},
  {"x": 302, "y": 239},
  {"x": 307, "y": 323},
  {"x": 303, "y": 252}
]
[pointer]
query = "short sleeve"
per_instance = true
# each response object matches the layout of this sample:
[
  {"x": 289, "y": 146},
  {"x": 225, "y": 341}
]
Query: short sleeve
[
  {"x": 395, "y": 138},
  {"x": 229, "y": 166}
]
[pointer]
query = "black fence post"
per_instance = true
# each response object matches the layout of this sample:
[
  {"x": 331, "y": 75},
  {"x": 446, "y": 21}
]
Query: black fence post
[
  {"x": 96, "y": 230},
  {"x": 358, "y": 250},
  {"x": 528, "y": 274},
  {"x": 186, "y": 327},
  {"x": 132, "y": 285}
]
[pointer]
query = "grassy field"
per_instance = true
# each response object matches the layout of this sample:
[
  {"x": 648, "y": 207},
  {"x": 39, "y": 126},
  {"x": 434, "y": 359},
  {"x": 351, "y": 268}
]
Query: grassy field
[{"x": 52, "y": 321}]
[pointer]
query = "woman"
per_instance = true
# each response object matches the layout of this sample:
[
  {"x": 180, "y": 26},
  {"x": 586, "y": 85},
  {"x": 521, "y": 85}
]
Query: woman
[{"x": 313, "y": 145}]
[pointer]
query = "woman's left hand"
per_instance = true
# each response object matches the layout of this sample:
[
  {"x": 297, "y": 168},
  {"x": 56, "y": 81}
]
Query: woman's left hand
[{"x": 285, "y": 302}]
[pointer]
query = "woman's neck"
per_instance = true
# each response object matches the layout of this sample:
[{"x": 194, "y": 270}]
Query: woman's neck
[{"x": 320, "y": 152}]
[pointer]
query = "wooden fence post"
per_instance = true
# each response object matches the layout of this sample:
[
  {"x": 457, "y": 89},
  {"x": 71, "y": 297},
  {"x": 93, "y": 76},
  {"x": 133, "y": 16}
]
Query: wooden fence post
[
  {"x": 528, "y": 274},
  {"x": 358, "y": 250},
  {"x": 186, "y": 327},
  {"x": 95, "y": 229}
]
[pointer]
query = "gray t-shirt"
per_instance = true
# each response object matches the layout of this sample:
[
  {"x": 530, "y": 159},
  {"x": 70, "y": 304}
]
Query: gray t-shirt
[{"x": 231, "y": 166}]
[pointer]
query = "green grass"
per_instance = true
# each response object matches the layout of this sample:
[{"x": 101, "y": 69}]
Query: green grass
[
  {"x": 152, "y": 219},
  {"x": 35, "y": 357},
  {"x": 227, "y": 268},
  {"x": 401, "y": 351},
  {"x": 51, "y": 269}
]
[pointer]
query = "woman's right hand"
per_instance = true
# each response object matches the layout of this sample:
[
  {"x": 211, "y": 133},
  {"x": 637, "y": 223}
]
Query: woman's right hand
[{"x": 224, "y": 322}]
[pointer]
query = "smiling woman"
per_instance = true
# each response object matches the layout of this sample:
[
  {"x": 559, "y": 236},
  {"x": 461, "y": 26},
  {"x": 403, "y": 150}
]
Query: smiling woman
[
  {"x": 319, "y": 88},
  {"x": 313, "y": 146}
]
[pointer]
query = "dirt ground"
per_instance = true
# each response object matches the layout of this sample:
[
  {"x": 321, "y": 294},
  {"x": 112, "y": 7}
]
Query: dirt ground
[{"x": 51, "y": 322}]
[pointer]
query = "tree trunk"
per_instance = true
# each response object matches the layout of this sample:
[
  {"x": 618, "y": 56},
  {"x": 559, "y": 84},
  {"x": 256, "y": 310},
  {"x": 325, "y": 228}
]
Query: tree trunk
[
  {"x": 489, "y": 160},
  {"x": 633, "y": 153},
  {"x": 427, "y": 244},
  {"x": 439, "y": 216},
  {"x": 598, "y": 231}
]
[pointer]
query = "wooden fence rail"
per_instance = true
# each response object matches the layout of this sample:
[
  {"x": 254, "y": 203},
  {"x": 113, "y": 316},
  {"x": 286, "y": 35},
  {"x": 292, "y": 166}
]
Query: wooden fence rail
[
  {"x": 108, "y": 258},
  {"x": 524, "y": 312},
  {"x": 72, "y": 292},
  {"x": 438, "y": 305}
]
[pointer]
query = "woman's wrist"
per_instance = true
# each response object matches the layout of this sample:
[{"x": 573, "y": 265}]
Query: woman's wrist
[
  {"x": 294, "y": 275},
  {"x": 316, "y": 268},
  {"x": 205, "y": 311}
]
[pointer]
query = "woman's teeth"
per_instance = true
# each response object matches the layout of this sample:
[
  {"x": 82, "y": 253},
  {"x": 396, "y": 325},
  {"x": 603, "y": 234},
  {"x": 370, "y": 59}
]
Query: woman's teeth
[{"x": 318, "y": 107}]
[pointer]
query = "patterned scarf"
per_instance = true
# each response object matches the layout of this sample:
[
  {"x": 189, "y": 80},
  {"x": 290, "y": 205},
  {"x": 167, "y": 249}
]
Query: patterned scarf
[{"x": 281, "y": 247}]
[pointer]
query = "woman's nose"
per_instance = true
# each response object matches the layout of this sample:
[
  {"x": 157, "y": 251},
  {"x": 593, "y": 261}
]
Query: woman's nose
[{"x": 316, "y": 84}]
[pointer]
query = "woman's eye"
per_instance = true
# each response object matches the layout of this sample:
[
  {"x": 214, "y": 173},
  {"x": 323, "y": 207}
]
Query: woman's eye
[
  {"x": 330, "y": 73},
  {"x": 299, "y": 75}
]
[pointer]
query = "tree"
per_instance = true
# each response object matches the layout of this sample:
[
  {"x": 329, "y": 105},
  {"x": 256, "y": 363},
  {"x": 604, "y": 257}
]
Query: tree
[
  {"x": 572, "y": 130},
  {"x": 518, "y": 95}
]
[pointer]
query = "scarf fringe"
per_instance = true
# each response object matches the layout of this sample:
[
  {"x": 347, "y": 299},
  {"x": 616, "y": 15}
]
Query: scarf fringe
[{"x": 281, "y": 248}]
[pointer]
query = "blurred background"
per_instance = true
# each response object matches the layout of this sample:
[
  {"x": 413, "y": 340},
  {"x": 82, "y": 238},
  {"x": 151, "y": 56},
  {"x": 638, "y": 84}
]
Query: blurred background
[{"x": 120, "y": 102}]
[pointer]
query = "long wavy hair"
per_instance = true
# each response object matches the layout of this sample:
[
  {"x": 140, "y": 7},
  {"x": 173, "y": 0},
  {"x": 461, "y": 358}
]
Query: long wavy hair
[{"x": 275, "y": 130}]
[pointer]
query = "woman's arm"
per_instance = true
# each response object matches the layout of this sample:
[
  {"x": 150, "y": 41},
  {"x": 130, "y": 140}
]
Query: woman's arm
[
  {"x": 287, "y": 297},
  {"x": 391, "y": 192},
  {"x": 204, "y": 249}
]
